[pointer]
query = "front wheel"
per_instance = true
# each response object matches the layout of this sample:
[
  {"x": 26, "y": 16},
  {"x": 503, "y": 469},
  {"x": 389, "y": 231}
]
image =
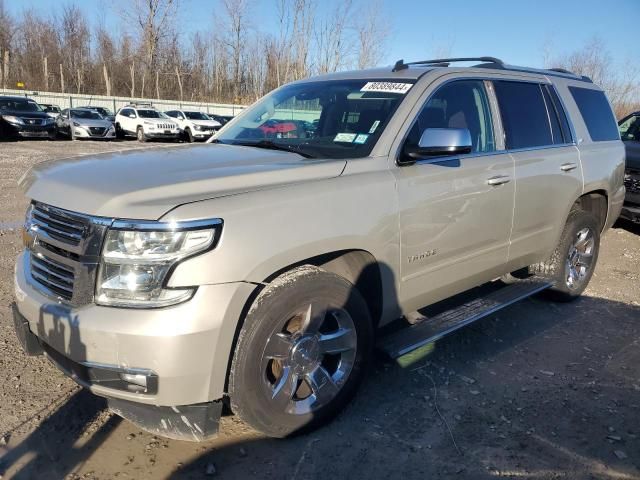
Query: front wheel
[
  {"x": 301, "y": 353},
  {"x": 140, "y": 135},
  {"x": 572, "y": 263}
]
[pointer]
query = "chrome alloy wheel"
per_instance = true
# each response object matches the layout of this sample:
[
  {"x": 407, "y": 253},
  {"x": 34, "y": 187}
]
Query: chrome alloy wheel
[
  {"x": 307, "y": 363},
  {"x": 580, "y": 258}
]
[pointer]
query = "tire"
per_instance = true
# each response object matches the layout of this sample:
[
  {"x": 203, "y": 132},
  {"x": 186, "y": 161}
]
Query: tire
[
  {"x": 119, "y": 132},
  {"x": 572, "y": 263},
  {"x": 279, "y": 354},
  {"x": 188, "y": 135},
  {"x": 140, "y": 135}
]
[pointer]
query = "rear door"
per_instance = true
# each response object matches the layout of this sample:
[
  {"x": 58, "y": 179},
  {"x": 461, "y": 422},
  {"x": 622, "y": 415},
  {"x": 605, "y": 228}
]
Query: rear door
[
  {"x": 548, "y": 175},
  {"x": 456, "y": 211}
]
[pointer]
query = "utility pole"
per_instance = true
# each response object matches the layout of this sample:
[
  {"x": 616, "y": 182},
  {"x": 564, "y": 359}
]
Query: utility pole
[{"x": 61, "y": 79}]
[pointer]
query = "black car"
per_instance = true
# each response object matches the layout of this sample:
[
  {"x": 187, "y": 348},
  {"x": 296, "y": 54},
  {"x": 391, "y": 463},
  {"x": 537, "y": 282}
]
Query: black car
[
  {"x": 105, "y": 112},
  {"x": 630, "y": 134},
  {"x": 222, "y": 119},
  {"x": 23, "y": 117}
]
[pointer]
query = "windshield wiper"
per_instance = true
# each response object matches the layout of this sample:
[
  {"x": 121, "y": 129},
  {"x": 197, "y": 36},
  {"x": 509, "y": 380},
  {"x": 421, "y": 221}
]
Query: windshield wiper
[{"x": 269, "y": 145}]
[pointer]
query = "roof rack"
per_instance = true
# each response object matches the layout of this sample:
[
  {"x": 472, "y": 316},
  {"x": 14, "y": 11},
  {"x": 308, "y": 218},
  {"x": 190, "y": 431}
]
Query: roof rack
[
  {"x": 490, "y": 62},
  {"x": 444, "y": 62}
]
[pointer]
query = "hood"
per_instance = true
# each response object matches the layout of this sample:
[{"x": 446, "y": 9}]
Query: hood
[
  {"x": 146, "y": 184},
  {"x": 206, "y": 123},
  {"x": 88, "y": 122},
  {"x": 23, "y": 114}
]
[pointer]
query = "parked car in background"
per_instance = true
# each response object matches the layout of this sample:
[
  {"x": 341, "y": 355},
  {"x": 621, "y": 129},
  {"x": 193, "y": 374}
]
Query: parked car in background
[
  {"x": 195, "y": 125},
  {"x": 258, "y": 272},
  {"x": 629, "y": 128},
  {"x": 105, "y": 112},
  {"x": 52, "y": 110},
  {"x": 145, "y": 123},
  {"x": 21, "y": 117},
  {"x": 223, "y": 119},
  {"x": 84, "y": 123}
]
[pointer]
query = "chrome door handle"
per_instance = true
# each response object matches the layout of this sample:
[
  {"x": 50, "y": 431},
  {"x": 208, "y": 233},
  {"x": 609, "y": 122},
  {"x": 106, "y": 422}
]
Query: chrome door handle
[
  {"x": 567, "y": 167},
  {"x": 499, "y": 180}
]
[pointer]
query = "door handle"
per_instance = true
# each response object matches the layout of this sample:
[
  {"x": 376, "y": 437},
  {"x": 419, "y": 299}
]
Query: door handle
[
  {"x": 567, "y": 167},
  {"x": 499, "y": 180}
]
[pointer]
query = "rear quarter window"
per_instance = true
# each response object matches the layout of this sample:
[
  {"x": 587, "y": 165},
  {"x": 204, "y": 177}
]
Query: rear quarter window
[{"x": 596, "y": 113}]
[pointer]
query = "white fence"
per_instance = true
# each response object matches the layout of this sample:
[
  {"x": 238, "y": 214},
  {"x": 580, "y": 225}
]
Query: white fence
[{"x": 68, "y": 100}]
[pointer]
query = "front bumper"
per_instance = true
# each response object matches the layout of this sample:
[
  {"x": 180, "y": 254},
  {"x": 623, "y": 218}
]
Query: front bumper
[
  {"x": 80, "y": 132},
  {"x": 28, "y": 131},
  {"x": 187, "y": 346},
  {"x": 159, "y": 135}
]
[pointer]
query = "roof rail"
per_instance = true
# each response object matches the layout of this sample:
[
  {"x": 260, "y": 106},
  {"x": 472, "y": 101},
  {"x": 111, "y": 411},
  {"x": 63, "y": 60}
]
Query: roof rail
[
  {"x": 491, "y": 62},
  {"x": 444, "y": 62}
]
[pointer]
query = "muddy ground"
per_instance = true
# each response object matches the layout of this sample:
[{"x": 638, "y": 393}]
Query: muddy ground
[{"x": 540, "y": 390}]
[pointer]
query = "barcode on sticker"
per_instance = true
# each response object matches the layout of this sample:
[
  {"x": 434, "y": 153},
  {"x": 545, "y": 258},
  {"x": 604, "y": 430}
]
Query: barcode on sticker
[{"x": 390, "y": 87}]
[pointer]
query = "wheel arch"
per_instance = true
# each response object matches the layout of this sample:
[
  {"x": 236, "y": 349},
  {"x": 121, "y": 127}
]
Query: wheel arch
[
  {"x": 358, "y": 266},
  {"x": 595, "y": 202}
]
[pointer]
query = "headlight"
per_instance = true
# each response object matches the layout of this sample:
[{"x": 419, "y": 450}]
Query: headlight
[
  {"x": 151, "y": 124},
  {"x": 76, "y": 124},
  {"x": 12, "y": 119},
  {"x": 136, "y": 263},
  {"x": 198, "y": 127}
]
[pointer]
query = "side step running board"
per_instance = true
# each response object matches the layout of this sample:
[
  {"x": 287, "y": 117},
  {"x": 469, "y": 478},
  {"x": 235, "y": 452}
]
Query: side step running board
[{"x": 410, "y": 338}]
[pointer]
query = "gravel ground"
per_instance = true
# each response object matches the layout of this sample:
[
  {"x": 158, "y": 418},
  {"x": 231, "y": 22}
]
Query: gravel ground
[{"x": 540, "y": 390}]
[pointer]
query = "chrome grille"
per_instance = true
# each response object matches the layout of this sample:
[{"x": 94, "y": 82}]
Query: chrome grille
[
  {"x": 54, "y": 276},
  {"x": 97, "y": 130},
  {"x": 166, "y": 126},
  {"x": 632, "y": 182},
  {"x": 63, "y": 252},
  {"x": 33, "y": 121},
  {"x": 58, "y": 225}
]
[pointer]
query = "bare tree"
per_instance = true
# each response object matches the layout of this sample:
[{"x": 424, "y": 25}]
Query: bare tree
[
  {"x": 332, "y": 44},
  {"x": 373, "y": 32},
  {"x": 7, "y": 29},
  {"x": 621, "y": 82}
]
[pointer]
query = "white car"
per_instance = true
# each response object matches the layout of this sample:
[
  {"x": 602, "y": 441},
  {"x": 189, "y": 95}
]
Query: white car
[
  {"x": 195, "y": 125},
  {"x": 145, "y": 123}
]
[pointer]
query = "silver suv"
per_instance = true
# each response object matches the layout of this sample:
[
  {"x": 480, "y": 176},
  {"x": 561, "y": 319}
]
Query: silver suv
[{"x": 257, "y": 271}]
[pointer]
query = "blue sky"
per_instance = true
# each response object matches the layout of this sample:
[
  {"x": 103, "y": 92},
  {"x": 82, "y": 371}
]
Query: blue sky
[{"x": 514, "y": 30}]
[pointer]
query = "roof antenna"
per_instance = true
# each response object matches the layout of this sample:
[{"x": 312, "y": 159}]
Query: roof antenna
[{"x": 400, "y": 65}]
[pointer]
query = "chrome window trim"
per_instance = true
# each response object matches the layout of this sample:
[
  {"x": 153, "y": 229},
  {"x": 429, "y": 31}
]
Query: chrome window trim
[
  {"x": 154, "y": 225},
  {"x": 572, "y": 131}
]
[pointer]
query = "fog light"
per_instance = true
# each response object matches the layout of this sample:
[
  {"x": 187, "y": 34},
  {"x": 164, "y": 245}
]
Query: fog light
[{"x": 136, "y": 379}]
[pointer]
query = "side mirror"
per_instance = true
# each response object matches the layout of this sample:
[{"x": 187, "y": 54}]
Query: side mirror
[
  {"x": 436, "y": 142},
  {"x": 132, "y": 115}
]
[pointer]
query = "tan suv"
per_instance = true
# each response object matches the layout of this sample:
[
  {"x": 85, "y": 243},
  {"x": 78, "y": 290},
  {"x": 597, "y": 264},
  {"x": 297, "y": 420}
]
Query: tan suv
[{"x": 258, "y": 270}]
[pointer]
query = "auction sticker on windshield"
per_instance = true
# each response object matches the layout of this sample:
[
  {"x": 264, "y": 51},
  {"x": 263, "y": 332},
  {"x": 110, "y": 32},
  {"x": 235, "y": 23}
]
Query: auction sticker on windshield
[{"x": 389, "y": 87}]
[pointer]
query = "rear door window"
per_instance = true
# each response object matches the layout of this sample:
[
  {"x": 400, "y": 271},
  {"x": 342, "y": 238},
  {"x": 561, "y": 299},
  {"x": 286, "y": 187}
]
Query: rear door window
[
  {"x": 596, "y": 113},
  {"x": 524, "y": 114}
]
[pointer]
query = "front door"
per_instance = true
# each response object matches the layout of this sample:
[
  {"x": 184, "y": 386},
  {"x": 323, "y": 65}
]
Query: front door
[{"x": 455, "y": 212}]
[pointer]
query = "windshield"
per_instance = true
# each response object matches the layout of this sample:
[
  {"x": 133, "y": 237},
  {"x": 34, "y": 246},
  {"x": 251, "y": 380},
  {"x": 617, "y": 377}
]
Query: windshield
[
  {"x": 196, "y": 116},
  {"x": 19, "y": 105},
  {"x": 87, "y": 114},
  {"x": 333, "y": 119},
  {"x": 151, "y": 114}
]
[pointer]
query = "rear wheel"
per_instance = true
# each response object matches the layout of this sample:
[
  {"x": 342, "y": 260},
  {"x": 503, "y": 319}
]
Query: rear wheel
[
  {"x": 572, "y": 263},
  {"x": 301, "y": 353},
  {"x": 140, "y": 135}
]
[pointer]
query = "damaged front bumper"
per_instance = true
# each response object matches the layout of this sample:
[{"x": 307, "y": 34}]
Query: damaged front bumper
[{"x": 154, "y": 366}]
